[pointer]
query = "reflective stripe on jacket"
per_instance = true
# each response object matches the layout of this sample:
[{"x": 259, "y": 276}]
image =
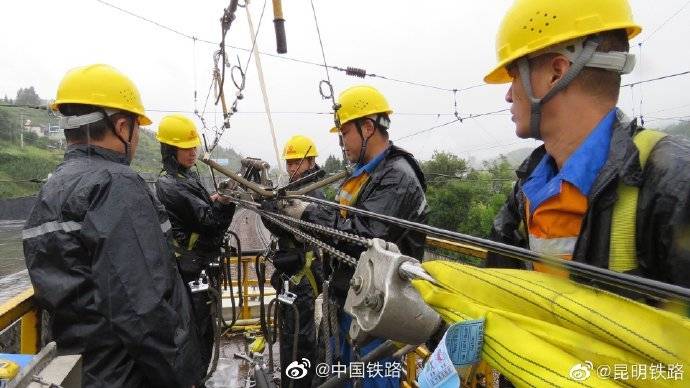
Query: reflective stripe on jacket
[
  {"x": 663, "y": 212},
  {"x": 96, "y": 247}
]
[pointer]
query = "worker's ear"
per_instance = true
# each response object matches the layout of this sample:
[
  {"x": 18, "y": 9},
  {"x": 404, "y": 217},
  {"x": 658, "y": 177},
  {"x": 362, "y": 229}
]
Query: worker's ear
[
  {"x": 368, "y": 128},
  {"x": 122, "y": 126}
]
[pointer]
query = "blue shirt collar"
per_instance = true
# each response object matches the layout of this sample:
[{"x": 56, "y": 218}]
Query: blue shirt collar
[
  {"x": 581, "y": 169},
  {"x": 371, "y": 165}
]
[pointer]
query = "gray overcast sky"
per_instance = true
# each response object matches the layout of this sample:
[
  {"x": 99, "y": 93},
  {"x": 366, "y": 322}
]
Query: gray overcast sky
[{"x": 448, "y": 43}]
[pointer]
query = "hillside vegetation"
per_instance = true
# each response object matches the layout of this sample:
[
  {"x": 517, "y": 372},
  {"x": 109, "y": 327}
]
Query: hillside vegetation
[{"x": 40, "y": 155}]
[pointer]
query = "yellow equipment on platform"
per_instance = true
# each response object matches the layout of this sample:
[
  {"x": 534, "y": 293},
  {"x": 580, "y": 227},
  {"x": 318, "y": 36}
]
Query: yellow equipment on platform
[
  {"x": 8, "y": 370},
  {"x": 542, "y": 330}
]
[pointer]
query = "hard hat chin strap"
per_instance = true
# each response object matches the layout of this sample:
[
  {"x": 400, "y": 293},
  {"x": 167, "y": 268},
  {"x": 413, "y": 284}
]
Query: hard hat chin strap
[
  {"x": 579, "y": 63},
  {"x": 127, "y": 142},
  {"x": 365, "y": 142}
]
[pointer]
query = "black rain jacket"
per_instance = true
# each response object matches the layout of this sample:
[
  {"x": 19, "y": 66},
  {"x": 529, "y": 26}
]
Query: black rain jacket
[
  {"x": 97, "y": 249},
  {"x": 191, "y": 210},
  {"x": 395, "y": 188},
  {"x": 663, "y": 211},
  {"x": 288, "y": 260},
  {"x": 290, "y": 257}
]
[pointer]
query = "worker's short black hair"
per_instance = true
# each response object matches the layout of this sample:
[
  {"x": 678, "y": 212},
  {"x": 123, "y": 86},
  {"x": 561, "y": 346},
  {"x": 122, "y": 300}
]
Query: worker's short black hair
[{"x": 93, "y": 131}]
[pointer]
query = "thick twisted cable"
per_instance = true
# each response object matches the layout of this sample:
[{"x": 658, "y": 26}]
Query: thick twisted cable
[
  {"x": 363, "y": 241},
  {"x": 343, "y": 257}
]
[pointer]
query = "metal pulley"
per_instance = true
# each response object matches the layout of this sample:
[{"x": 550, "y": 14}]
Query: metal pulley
[{"x": 381, "y": 298}]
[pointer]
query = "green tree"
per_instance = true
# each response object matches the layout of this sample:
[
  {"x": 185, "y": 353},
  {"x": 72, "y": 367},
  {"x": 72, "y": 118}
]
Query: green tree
[
  {"x": 442, "y": 167},
  {"x": 27, "y": 96},
  {"x": 464, "y": 199},
  {"x": 333, "y": 165}
]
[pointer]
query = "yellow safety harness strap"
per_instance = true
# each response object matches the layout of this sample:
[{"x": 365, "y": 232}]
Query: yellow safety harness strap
[
  {"x": 306, "y": 271},
  {"x": 179, "y": 252},
  {"x": 622, "y": 247},
  {"x": 193, "y": 238}
]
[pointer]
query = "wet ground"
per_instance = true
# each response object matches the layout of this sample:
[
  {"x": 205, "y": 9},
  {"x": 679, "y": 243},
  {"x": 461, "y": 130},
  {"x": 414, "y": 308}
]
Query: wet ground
[{"x": 232, "y": 372}]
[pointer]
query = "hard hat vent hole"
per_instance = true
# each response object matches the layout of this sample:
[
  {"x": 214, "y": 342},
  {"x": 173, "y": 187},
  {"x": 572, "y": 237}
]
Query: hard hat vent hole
[
  {"x": 535, "y": 25},
  {"x": 127, "y": 95}
]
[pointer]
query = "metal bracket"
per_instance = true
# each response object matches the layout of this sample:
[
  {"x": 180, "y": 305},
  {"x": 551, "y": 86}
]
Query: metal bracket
[
  {"x": 286, "y": 296},
  {"x": 381, "y": 298},
  {"x": 199, "y": 285}
]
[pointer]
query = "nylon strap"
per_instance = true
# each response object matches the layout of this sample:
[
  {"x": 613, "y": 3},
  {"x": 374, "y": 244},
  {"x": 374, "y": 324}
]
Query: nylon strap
[
  {"x": 306, "y": 271},
  {"x": 622, "y": 247},
  {"x": 575, "y": 69},
  {"x": 193, "y": 238}
]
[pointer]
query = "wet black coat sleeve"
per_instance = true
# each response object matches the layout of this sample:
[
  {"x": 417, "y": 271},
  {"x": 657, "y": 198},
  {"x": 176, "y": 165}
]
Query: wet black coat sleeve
[
  {"x": 191, "y": 210},
  {"x": 663, "y": 224},
  {"x": 398, "y": 193},
  {"x": 136, "y": 283}
]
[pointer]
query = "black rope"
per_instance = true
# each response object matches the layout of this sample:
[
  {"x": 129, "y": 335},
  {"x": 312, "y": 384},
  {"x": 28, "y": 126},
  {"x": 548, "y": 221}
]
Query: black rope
[
  {"x": 241, "y": 86},
  {"x": 260, "y": 268},
  {"x": 240, "y": 301},
  {"x": 457, "y": 119},
  {"x": 323, "y": 53},
  {"x": 652, "y": 288},
  {"x": 657, "y": 79}
]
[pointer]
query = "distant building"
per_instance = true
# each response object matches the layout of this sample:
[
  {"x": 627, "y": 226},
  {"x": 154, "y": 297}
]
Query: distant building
[{"x": 39, "y": 131}]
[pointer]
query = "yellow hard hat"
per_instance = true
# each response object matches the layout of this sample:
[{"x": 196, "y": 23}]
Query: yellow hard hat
[
  {"x": 299, "y": 147},
  {"x": 100, "y": 85},
  {"x": 532, "y": 25},
  {"x": 360, "y": 101},
  {"x": 178, "y": 131}
]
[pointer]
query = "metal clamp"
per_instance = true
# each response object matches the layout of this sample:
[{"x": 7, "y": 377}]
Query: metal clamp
[
  {"x": 287, "y": 297},
  {"x": 381, "y": 297},
  {"x": 199, "y": 285}
]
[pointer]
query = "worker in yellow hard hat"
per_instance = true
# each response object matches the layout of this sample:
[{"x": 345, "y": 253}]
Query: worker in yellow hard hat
[
  {"x": 199, "y": 219},
  {"x": 96, "y": 246},
  {"x": 387, "y": 180},
  {"x": 601, "y": 190},
  {"x": 299, "y": 267}
]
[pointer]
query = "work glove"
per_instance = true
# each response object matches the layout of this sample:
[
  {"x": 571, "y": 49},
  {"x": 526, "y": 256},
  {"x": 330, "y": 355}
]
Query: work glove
[
  {"x": 292, "y": 207},
  {"x": 227, "y": 185},
  {"x": 271, "y": 205}
]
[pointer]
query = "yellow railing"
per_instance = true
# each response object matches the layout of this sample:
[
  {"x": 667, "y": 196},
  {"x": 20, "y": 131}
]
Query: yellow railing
[
  {"x": 246, "y": 261},
  {"x": 21, "y": 307},
  {"x": 433, "y": 242}
]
